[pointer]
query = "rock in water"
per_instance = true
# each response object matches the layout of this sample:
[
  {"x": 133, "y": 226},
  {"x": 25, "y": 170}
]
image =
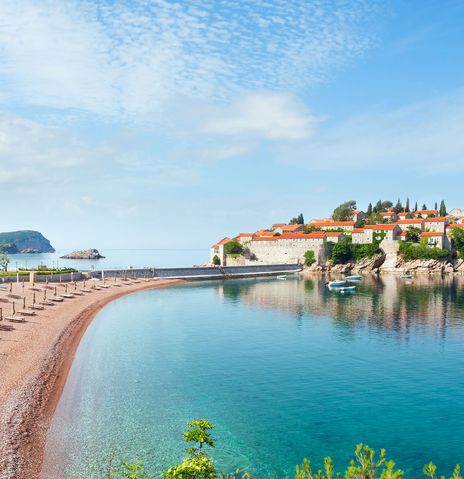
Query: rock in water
[{"x": 86, "y": 254}]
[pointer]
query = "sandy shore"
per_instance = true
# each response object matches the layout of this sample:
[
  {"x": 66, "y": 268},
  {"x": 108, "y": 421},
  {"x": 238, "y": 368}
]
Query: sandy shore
[{"x": 35, "y": 357}]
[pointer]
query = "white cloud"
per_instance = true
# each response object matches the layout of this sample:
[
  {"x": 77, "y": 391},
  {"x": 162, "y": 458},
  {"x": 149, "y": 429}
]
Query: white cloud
[
  {"x": 429, "y": 135},
  {"x": 272, "y": 116},
  {"x": 134, "y": 59}
]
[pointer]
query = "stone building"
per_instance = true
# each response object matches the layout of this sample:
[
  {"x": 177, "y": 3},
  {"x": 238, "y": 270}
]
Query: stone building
[
  {"x": 384, "y": 231},
  {"x": 435, "y": 224}
]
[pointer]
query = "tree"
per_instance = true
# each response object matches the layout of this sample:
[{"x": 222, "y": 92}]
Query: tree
[
  {"x": 233, "y": 247},
  {"x": 4, "y": 262},
  {"x": 310, "y": 229},
  {"x": 424, "y": 206},
  {"x": 378, "y": 207},
  {"x": 216, "y": 260},
  {"x": 369, "y": 209},
  {"x": 458, "y": 240},
  {"x": 406, "y": 208},
  {"x": 386, "y": 204},
  {"x": 436, "y": 206},
  {"x": 442, "y": 208},
  {"x": 344, "y": 212},
  {"x": 130, "y": 471},
  {"x": 309, "y": 258},
  {"x": 413, "y": 234},
  {"x": 198, "y": 465},
  {"x": 297, "y": 220},
  {"x": 415, "y": 207},
  {"x": 398, "y": 207}
]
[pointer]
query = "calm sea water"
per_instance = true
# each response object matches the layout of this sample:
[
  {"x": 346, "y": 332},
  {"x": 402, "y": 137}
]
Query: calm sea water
[
  {"x": 285, "y": 369},
  {"x": 115, "y": 258}
]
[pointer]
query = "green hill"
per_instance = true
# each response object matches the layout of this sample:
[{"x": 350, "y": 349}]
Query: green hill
[{"x": 24, "y": 242}]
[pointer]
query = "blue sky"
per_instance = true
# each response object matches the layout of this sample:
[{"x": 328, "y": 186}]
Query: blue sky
[{"x": 172, "y": 124}]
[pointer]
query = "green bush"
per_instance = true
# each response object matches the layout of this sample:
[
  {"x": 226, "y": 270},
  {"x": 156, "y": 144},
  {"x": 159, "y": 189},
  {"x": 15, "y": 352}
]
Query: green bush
[
  {"x": 345, "y": 252},
  {"x": 233, "y": 247},
  {"x": 458, "y": 241},
  {"x": 410, "y": 251},
  {"x": 216, "y": 260},
  {"x": 309, "y": 258}
]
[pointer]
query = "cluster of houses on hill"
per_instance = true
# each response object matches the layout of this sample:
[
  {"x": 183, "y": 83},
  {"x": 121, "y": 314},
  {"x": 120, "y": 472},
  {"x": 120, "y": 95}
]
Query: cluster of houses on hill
[{"x": 287, "y": 243}]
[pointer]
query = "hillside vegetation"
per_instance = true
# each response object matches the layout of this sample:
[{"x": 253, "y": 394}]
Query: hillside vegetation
[{"x": 24, "y": 242}]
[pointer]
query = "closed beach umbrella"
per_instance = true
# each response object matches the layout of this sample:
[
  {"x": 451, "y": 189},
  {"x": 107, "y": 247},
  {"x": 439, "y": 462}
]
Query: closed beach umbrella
[
  {"x": 55, "y": 290},
  {"x": 24, "y": 303},
  {"x": 11, "y": 287},
  {"x": 33, "y": 298},
  {"x": 1, "y": 314},
  {"x": 14, "y": 309}
]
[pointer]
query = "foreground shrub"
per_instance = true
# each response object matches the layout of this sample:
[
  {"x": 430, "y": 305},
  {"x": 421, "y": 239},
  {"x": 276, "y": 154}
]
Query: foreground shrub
[
  {"x": 346, "y": 252},
  {"x": 309, "y": 258},
  {"x": 365, "y": 464}
]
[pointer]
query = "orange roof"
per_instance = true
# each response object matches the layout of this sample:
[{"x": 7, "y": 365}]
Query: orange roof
[
  {"x": 312, "y": 235},
  {"x": 333, "y": 233},
  {"x": 265, "y": 233},
  {"x": 403, "y": 233},
  {"x": 356, "y": 212},
  {"x": 357, "y": 230},
  {"x": 244, "y": 235},
  {"x": 333, "y": 223},
  {"x": 435, "y": 220},
  {"x": 223, "y": 241},
  {"x": 278, "y": 225},
  {"x": 387, "y": 213},
  {"x": 380, "y": 227},
  {"x": 291, "y": 227},
  {"x": 410, "y": 221},
  {"x": 426, "y": 212},
  {"x": 456, "y": 225},
  {"x": 427, "y": 234}
]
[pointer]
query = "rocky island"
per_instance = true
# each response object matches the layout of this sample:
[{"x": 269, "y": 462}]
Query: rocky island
[
  {"x": 25, "y": 241},
  {"x": 85, "y": 254}
]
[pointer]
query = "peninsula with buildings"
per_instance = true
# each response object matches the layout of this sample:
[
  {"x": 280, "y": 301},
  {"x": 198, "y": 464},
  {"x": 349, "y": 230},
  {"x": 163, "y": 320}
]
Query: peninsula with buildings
[{"x": 385, "y": 237}]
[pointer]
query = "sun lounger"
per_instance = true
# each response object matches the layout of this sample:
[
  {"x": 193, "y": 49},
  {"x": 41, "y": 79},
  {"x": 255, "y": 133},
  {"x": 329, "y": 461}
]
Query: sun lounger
[
  {"x": 27, "y": 313},
  {"x": 47, "y": 303},
  {"x": 36, "y": 306},
  {"x": 15, "y": 319},
  {"x": 67, "y": 295},
  {"x": 57, "y": 299}
]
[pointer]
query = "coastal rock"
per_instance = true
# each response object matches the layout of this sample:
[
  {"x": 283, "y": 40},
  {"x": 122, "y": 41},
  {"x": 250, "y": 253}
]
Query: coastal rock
[
  {"x": 85, "y": 254},
  {"x": 428, "y": 266},
  {"x": 315, "y": 268},
  {"x": 370, "y": 264},
  {"x": 342, "y": 268}
]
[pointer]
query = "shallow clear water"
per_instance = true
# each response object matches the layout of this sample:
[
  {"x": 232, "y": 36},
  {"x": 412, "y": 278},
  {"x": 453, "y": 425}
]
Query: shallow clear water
[
  {"x": 114, "y": 258},
  {"x": 285, "y": 369}
]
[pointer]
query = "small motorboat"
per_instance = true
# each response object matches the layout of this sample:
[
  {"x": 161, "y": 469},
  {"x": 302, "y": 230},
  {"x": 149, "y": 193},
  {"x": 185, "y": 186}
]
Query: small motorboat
[
  {"x": 343, "y": 289},
  {"x": 281, "y": 277},
  {"x": 406, "y": 276},
  {"x": 337, "y": 283},
  {"x": 354, "y": 277}
]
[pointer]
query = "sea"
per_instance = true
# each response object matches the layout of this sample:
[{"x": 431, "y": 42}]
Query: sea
[{"x": 285, "y": 369}]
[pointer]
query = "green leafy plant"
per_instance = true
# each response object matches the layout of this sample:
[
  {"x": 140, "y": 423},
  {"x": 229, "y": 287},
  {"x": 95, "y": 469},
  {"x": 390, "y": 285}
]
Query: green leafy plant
[
  {"x": 197, "y": 465},
  {"x": 410, "y": 251},
  {"x": 413, "y": 234},
  {"x": 130, "y": 471},
  {"x": 309, "y": 258},
  {"x": 233, "y": 247},
  {"x": 344, "y": 212},
  {"x": 216, "y": 260}
]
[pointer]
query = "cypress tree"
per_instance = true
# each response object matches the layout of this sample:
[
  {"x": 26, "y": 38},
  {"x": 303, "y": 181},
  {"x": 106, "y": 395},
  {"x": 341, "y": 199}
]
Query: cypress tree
[
  {"x": 378, "y": 207},
  {"x": 415, "y": 207},
  {"x": 424, "y": 206},
  {"x": 369, "y": 209},
  {"x": 436, "y": 206},
  {"x": 398, "y": 207},
  {"x": 442, "y": 208},
  {"x": 407, "y": 206}
]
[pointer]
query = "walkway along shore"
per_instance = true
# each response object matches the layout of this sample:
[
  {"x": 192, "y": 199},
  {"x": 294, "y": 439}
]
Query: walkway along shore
[{"x": 36, "y": 355}]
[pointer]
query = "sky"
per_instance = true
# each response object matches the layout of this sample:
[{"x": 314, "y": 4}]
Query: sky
[{"x": 171, "y": 124}]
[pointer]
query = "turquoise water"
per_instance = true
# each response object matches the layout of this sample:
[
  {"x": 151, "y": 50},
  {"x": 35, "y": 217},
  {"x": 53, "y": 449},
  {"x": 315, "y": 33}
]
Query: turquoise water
[{"x": 285, "y": 369}]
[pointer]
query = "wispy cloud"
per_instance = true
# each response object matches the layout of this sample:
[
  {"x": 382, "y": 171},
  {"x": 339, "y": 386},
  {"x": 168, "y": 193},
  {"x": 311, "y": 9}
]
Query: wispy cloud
[
  {"x": 427, "y": 135},
  {"x": 133, "y": 59}
]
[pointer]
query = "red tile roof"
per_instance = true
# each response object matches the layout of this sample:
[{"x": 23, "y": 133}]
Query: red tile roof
[
  {"x": 387, "y": 213},
  {"x": 244, "y": 235},
  {"x": 460, "y": 225},
  {"x": 223, "y": 241},
  {"x": 411, "y": 221},
  {"x": 380, "y": 227},
  {"x": 265, "y": 233},
  {"x": 313, "y": 235},
  {"x": 333, "y": 223},
  {"x": 333, "y": 233},
  {"x": 291, "y": 227},
  {"x": 278, "y": 225},
  {"x": 357, "y": 230},
  {"x": 427, "y": 234},
  {"x": 426, "y": 212},
  {"x": 435, "y": 220}
]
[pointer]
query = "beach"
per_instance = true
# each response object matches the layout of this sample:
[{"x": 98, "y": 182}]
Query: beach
[{"x": 35, "y": 357}]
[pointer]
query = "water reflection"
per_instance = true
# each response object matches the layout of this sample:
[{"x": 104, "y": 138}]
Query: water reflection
[{"x": 388, "y": 302}]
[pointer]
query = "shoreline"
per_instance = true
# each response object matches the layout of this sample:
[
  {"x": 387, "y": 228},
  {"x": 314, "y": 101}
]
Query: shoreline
[{"x": 39, "y": 354}]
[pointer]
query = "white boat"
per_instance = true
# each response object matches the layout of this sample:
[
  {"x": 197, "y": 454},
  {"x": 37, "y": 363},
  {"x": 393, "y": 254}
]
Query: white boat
[
  {"x": 343, "y": 289},
  {"x": 337, "y": 283},
  {"x": 281, "y": 277},
  {"x": 406, "y": 276},
  {"x": 354, "y": 277}
]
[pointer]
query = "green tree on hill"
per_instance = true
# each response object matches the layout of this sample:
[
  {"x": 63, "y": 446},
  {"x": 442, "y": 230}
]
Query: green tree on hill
[
  {"x": 233, "y": 247},
  {"x": 436, "y": 206},
  {"x": 406, "y": 208},
  {"x": 309, "y": 258},
  {"x": 344, "y": 212},
  {"x": 415, "y": 207},
  {"x": 442, "y": 211},
  {"x": 413, "y": 234},
  {"x": 458, "y": 241},
  {"x": 297, "y": 220},
  {"x": 369, "y": 209},
  {"x": 424, "y": 206},
  {"x": 398, "y": 207}
]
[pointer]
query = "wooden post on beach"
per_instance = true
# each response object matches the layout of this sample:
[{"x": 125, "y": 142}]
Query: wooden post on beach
[
  {"x": 1, "y": 314},
  {"x": 14, "y": 309},
  {"x": 11, "y": 287},
  {"x": 24, "y": 302},
  {"x": 33, "y": 298}
]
